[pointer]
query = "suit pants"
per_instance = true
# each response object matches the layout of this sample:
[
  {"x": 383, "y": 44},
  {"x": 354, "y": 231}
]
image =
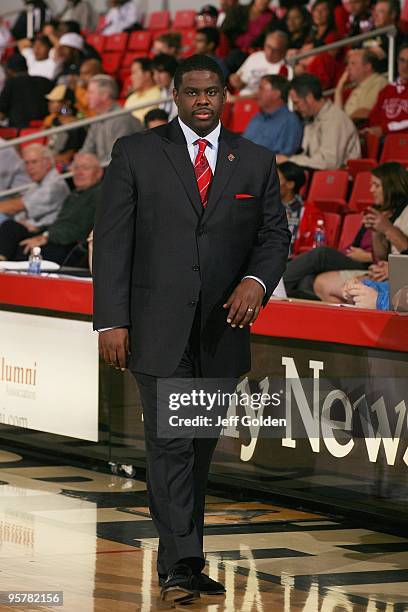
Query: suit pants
[{"x": 177, "y": 471}]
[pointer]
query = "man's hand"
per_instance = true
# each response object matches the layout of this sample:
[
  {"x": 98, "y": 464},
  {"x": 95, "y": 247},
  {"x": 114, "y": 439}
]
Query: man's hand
[
  {"x": 244, "y": 303},
  {"x": 29, "y": 243},
  {"x": 280, "y": 159},
  {"x": 114, "y": 347}
]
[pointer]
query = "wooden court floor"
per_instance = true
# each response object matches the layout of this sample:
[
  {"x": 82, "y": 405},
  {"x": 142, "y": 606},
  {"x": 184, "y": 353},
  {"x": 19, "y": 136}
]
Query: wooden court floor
[{"x": 89, "y": 535}]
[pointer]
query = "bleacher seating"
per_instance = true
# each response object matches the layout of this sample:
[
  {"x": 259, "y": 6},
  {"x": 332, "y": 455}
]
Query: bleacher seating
[
  {"x": 116, "y": 42},
  {"x": 27, "y": 131},
  {"x": 140, "y": 41},
  {"x": 8, "y": 133},
  {"x": 242, "y": 113},
  {"x": 328, "y": 190},
  {"x": 395, "y": 149},
  {"x": 97, "y": 41},
  {"x": 184, "y": 20},
  {"x": 158, "y": 20},
  {"x": 351, "y": 225},
  {"x": 361, "y": 196}
]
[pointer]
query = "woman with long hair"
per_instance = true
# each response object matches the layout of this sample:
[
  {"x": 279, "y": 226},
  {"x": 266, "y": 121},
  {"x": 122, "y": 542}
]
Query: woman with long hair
[
  {"x": 298, "y": 22},
  {"x": 388, "y": 222},
  {"x": 244, "y": 25}
]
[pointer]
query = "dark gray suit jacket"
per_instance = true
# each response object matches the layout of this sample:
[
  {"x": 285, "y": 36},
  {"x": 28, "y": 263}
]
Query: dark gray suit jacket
[{"x": 157, "y": 252}]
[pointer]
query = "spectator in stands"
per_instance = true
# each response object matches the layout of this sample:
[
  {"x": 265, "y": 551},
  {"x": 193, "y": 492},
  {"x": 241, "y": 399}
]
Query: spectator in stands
[
  {"x": 275, "y": 126},
  {"x": 102, "y": 98},
  {"x": 40, "y": 57},
  {"x": 40, "y": 204},
  {"x": 70, "y": 51},
  {"x": 225, "y": 5},
  {"x": 269, "y": 61},
  {"x": 298, "y": 24},
  {"x": 360, "y": 19},
  {"x": 144, "y": 89},
  {"x": 207, "y": 17},
  {"x": 5, "y": 36},
  {"x": 61, "y": 102},
  {"x": 330, "y": 138},
  {"x": 12, "y": 173},
  {"x": 168, "y": 43},
  {"x": 72, "y": 225},
  {"x": 388, "y": 223},
  {"x": 121, "y": 16},
  {"x": 291, "y": 180},
  {"x": 164, "y": 68},
  {"x": 81, "y": 11},
  {"x": 323, "y": 31},
  {"x": 155, "y": 117},
  {"x": 88, "y": 69},
  {"x": 390, "y": 113},
  {"x": 326, "y": 66},
  {"x": 56, "y": 31},
  {"x": 42, "y": 15},
  {"x": 206, "y": 42},
  {"x": 366, "y": 293},
  {"x": 23, "y": 97},
  {"x": 385, "y": 13},
  {"x": 244, "y": 24},
  {"x": 363, "y": 70}
]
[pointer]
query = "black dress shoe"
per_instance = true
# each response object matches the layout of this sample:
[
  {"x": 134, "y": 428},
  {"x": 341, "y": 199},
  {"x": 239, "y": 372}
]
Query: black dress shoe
[
  {"x": 180, "y": 585},
  {"x": 208, "y": 586}
]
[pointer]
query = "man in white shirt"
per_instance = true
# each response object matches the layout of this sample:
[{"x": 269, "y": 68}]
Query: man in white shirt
[
  {"x": 122, "y": 15},
  {"x": 269, "y": 61},
  {"x": 40, "y": 58}
]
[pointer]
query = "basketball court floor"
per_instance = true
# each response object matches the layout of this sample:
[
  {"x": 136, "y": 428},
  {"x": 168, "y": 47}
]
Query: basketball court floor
[{"x": 89, "y": 535}]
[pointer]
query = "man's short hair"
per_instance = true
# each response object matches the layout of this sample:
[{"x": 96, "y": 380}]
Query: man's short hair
[
  {"x": 145, "y": 63},
  {"x": 212, "y": 35},
  {"x": 197, "y": 62},
  {"x": 368, "y": 57},
  {"x": 280, "y": 83},
  {"x": 305, "y": 84},
  {"x": 293, "y": 173},
  {"x": 165, "y": 63},
  {"x": 156, "y": 114},
  {"x": 108, "y": 83},
  {"x": 42, "y": 149},
  {"x": 394, "y": 7},
  {"x": 171, "y": 39},
  {"x": 280, "y": 34}
]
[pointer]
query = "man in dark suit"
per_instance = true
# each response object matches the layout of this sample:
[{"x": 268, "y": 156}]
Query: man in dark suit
[{"x": 190, "y": 241}]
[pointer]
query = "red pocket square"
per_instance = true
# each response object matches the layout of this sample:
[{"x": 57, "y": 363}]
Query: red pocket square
[{"x": 241, "y": 196}]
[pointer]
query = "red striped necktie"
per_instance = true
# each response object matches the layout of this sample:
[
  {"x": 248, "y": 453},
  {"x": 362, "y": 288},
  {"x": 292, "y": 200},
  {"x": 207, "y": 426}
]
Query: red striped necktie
[{"x": 202, "y": 171}]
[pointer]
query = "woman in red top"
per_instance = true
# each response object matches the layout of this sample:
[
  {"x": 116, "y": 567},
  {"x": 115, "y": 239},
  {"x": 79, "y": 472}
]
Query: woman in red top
[{"x": 326, "y": 66}]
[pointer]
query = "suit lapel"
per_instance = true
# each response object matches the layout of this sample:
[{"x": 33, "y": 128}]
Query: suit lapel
[
  {"x": 175, "y": 147},
  {"x": 227, "y": 162}
]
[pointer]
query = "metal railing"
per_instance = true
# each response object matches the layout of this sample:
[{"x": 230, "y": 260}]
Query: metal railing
[
  {"x": 64, "y": 128},
  {"x": 82, "y": 123},
  {"x": 390, "y": 31}
]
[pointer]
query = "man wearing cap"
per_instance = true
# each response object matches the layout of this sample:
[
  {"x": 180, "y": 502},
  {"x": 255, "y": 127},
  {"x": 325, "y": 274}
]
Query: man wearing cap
[
  {"x": 70, "y": 51},
  {"x": 23, "y": 97},
  {"x": 61, "y": 105}
]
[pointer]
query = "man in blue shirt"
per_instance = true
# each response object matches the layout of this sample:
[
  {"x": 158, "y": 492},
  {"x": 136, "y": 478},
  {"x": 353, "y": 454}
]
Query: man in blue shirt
[{"x": 275, "y": 126}]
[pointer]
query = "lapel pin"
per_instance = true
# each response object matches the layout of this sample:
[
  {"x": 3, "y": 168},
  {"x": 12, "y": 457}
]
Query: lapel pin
[{"x": 231, "y": 157}]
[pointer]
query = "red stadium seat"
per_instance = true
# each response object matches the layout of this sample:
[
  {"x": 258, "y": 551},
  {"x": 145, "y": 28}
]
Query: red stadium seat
[
  {"x": 101, "y": 23},
  {"x": 351, "y": 226},
  {"x": 129, "y": 57},
  {"x": 226, "y": 115},
  {"x": 395, "y": 148},
  {"x": 26, "y": 131},
  {"x": 361, "y": 195},
  {"x": 8, "y": 133},
  {"x": 111, "y": 62},
  {"x": 242, "y": 114},
  {"x": 328, "y": 190},
  {"x": 126, "y": 84},
  {"x": 159, "y": 20},
  {"x": 97, "y": 41},
  {"x": 116, "y": 42},
  {"x": 354, "y": 166},
  {"x": 332, "y": 225},
  {"x": 184, "y": 19},
  {"x": 187, "y": 42},
  {"x": 140, "y": 41}
]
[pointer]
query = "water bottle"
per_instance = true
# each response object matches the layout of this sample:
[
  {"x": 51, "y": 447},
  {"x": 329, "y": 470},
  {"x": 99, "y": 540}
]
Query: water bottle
[
  {"x": 34, "y": 261},
  {"x": 319, "y": 238}
]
